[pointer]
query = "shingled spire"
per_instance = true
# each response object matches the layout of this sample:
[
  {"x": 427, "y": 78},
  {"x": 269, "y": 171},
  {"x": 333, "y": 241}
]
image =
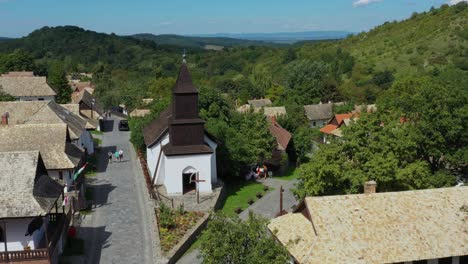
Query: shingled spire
[{"x": 186, "y": 129}]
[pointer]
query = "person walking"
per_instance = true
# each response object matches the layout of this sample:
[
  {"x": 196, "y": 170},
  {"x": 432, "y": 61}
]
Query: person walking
[
  {"x": 117, "y": 155},
  {"x": 121, "y": 154},
  {"x": 110, "y": 156}
]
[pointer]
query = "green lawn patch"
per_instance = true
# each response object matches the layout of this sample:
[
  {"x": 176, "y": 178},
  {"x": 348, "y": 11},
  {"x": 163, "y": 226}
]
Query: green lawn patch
[
  {"x": 238, "y": 193},
  {"x": 290, "y": 173},
  {"x": 96, "y": 132}
]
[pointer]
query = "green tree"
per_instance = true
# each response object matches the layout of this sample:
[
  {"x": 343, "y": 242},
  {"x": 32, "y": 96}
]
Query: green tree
[
  {"x": 376, "y": 147},
  {"x": 437, "y": 110},
  {"x": 305, "y": 81},
  {"x": 58, "y": 81},
  {"x": 228, "y": 240},
  {"x": 19, "y": 60}
]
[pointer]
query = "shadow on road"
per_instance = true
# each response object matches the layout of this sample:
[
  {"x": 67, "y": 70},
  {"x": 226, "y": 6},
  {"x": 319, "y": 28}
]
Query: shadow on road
[
  {"x": 107, "y": 125},
  {"x": 103, "y": 161},
  {"x": 101, "y": 190},
  {"x": 93, "y": 250}
]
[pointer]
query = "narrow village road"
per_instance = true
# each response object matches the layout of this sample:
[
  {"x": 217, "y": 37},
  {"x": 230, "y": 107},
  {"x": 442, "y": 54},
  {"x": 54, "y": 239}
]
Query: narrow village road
[{"x": 121, "y": 228}]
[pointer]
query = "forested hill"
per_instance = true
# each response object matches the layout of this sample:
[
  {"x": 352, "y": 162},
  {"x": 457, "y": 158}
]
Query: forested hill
[
  {"x": 74, "y": 45},
  {"x": 201, "y": 42},
  {"x": 4, "y": 39},
  {"x": 433, "y": 38}
]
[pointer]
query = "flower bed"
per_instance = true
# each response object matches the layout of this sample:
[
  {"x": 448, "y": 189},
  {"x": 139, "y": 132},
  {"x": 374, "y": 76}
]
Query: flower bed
[{"x": 174, "y": 224}]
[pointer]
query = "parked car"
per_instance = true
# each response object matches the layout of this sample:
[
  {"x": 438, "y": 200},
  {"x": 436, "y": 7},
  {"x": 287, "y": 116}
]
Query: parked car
[{"x": 123, "y": 125}]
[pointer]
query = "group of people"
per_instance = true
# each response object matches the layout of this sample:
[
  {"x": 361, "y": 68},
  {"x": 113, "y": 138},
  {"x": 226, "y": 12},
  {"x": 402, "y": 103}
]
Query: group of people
[{"x": 118, "y": 155}]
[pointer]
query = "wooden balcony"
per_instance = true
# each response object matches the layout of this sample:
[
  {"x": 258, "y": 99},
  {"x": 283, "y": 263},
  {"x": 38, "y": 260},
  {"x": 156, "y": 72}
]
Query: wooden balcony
[
  {"x": 25, "y": 255},
  {"x": 57, "y": 228}
]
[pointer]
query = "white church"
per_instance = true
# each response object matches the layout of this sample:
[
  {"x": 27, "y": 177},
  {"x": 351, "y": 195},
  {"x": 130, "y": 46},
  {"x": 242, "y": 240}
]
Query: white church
[{"x": 180, "y": 153}]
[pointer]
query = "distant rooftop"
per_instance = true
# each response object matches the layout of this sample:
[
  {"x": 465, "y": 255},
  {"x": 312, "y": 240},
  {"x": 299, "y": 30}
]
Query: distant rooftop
[
  {"x": 26, "y": 86},
  {"x": 258, "y": 103},
  {"x": 18, "y": 74}
]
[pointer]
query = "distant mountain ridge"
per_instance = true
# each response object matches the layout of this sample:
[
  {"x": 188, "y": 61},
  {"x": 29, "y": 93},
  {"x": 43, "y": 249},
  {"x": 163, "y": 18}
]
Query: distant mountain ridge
[
  {"x": 282, "y": 37},
  {"x": 200, "y": 42},
  {"x": 4, "y": 39}
]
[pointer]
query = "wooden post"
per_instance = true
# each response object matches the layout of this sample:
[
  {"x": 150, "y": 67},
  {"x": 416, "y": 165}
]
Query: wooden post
[
  {"x": 281, "y": 200},
  {"x": 197, "y": 181},
  {"x": 5, "y": 240}
]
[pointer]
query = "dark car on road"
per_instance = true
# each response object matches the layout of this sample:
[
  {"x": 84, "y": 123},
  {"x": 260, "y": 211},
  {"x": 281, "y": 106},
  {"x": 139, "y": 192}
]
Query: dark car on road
[{"x": 123, "y": 125}]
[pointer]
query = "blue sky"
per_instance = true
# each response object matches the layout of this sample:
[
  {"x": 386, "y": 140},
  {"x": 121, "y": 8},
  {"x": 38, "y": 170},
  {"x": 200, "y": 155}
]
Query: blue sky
[{"x": 124, "y": 17}]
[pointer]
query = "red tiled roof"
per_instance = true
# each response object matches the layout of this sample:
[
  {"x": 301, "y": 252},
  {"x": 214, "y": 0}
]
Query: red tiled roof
[
  {"x": 282, "y": 135},
  {"x": 328, "y": 128},
  {"x": 341, "y": 117}
]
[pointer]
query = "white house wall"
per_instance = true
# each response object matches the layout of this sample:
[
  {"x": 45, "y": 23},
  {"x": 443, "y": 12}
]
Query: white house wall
[
  {"x": 175, "y": 165},
  {"x": 66, "y": 174},
  {"x": 15, "y": 234},
  {"x": 86, "y": 141}
]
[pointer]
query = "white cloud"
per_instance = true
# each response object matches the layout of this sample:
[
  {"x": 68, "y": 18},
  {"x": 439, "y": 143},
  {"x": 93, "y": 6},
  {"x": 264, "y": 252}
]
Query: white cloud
[
  {"x": 367, "y": 2},
  {"x": 454, "y": 2}
]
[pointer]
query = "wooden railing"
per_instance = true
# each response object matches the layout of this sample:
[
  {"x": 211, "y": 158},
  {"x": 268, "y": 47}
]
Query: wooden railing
[{"x": 13, "y": 256}]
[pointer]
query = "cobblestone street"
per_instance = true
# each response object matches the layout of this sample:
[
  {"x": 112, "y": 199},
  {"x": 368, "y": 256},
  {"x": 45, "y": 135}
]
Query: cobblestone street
[{"x": 121, "y": 228}]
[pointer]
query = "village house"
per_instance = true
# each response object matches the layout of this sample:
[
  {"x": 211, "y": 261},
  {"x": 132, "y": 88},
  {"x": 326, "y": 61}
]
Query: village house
[
  {"x": 179, "y": 150},
  {"x": 61, "y": 157},
  {"x": 259, "y": 103},
  {"x": 27, "y": 88},
  {"x": 333, "y": 128},
  {"x": 89, "y": 108},
  {"x": 49, "y": 112},
  {"x": 143, "y": 110},
  {"x": 320, "y": 114},
  {"x": 272, "y": 111},
  {"x": 283, "y": 138},
  {"x": 91, "y": 124},
  {"x": 425, "y": 226},
  {"x": 33, "y": 220}
]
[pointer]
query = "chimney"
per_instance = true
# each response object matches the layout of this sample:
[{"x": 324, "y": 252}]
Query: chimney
[
  {"x": 370, "y": 187},
  {"x": 5, "y": 119}
]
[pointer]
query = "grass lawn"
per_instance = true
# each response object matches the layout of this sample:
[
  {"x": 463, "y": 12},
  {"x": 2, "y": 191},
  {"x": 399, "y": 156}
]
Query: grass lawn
[
  {"x": 238, "y": 193},
  {"x": 96, "y": 132},
  {"x": 289, "y": 174}
]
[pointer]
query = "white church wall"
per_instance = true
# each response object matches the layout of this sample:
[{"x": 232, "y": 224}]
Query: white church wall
[
  {"x": 152, "y": 155},
  {"x": 214, "y": 173},
  {"x": 175, "y": 165}
]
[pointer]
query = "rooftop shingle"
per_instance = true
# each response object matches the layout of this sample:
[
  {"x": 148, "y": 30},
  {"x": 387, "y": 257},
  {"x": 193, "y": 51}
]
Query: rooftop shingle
[
  {"x": 388, "y": 227},
  {"x": 49, "y": 139},
  {"x": 26, "y": 86},
  {"x": 25, "y": 191}
]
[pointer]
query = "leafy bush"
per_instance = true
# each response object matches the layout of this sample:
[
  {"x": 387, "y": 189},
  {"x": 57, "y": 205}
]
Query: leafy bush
[{"x": 166, "y": 217}]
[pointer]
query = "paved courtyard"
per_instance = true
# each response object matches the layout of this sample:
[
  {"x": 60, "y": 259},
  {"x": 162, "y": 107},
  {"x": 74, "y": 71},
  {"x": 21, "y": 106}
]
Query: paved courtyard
[{"x": 121, "y": 228}]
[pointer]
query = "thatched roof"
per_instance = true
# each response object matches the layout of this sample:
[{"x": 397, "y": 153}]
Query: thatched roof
[
  {"x": 25, "y": 188},
  {"x": 26, "y": 86},
  {"x": 52, "y": 140},
  {"x": 388, "y": 227},
  {"x": 43, "y": 112}
]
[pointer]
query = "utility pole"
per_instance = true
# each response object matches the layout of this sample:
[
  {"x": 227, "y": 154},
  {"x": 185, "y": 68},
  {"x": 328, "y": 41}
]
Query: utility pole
[{"x": 281, "y": 200}]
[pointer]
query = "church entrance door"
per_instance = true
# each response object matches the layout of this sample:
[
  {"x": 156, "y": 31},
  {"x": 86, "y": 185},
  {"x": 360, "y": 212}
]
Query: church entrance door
[{"x": 187, "y": 185}]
